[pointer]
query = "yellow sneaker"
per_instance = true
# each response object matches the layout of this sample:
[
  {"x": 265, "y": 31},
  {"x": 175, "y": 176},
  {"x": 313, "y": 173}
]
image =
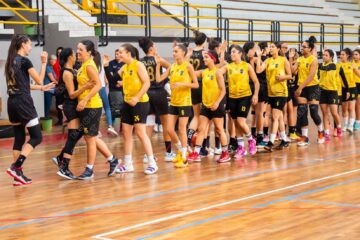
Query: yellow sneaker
[
  {"x": 182, "y": 163},
  {"x": 178, "y": 155},
  {"x": 294, "y": 137}
]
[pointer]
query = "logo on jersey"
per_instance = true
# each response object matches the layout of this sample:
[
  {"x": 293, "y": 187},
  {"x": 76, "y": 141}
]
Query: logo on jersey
[
  {"x": 86, "y": 131},
  {"x": 307, "y": 65},
  {"x": 181, "y": 72},
  {"x": 276, "y": 65},
  {"x": 242, "y": 71},
  {"x": 136, "y": 118},
  {"x": 130, "y": 72},
  {"x": 212, "y": 77}
]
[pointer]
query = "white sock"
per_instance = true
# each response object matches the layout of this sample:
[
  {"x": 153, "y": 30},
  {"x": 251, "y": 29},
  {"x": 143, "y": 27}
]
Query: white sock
[
  {"x": 338, "y": 126},
  {"x": 151, "y": 160},
  {"x": 110, "y": 158},
  {"x": 320, "y": 127},
  {"x": 224, "y": 148},
  {"x": 351, "y": 122},
  {"x": 178, "y": 145},
  {"x": 240, "y": 141},
  {"x": 272, "y": 137},
  {"x": 304, "y": 132},
  {"x": 345, "y": 119},
  {"x": 283, "y": 136},
  {"x": 90, "y": 166},
  {"x": 128, "y": 159},
  {"x": 249, "y": 136},
  {"x": 183, "y": 152},
  {"x": 327, "y": 131},
  {"x": 197, "y": 149}
]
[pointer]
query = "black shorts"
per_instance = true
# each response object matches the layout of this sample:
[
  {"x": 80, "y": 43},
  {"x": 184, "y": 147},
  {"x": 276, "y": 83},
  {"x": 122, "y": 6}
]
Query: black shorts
[
  {"x": 134, "y": 115},
  {"x": 218, "y": 113},
  {"x": 239, "y": 107},
  {"x": 291, "y": 95},
  {"x": 158, "y": 102},
  {"x": 196, "y": 95},
  {"x": 185, "y": 111},
  {"x": 311, "y": 93},
  {"x": 21, "y": 109},
  {"x": 278, "y": 102},
  {"x": 358, "y": 88},
  {"x": 90, "y": 121},
  {"x": 329, "y": 97},
  {"x": 353, "y": 94},
  {"x": 263, "y": 93},
  {"x": 69, "y": 109}
]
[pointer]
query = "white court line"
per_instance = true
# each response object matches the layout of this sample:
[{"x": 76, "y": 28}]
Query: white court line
[{"x": 101, "y": 236}]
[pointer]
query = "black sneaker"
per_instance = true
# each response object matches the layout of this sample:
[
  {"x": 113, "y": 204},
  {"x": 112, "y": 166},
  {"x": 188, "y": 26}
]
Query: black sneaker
[
  {"x": 269, "y": 147},
  {"x": 57, "y": 161},
  {"x": 204, "y": 152},
  {"x": 65, "y": 172},
  {"x": 113, "y": 164},
  {"x": 283, "y": 144},
  {"x": 87, "y": 174},
  {"x": 18, "y": 174}
]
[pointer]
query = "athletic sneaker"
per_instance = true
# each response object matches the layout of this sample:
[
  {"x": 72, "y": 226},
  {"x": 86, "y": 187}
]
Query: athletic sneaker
[
  {"x": 112, "y": 131},
  {"x": 303, "y": 142},
  {"x": 339, "y": 132},
  {"x": 294, "y": 137},
  {"x": 113, "y": 165},
  {"x": 321, "y": 137},
  {"x": 57, "y": 161},
  {"x": 283, "y": 144},
  {"x": 87, "y": 174},
  {"x": 218, "y": 151},
  {"x": 345, "y": 127},
  {"x": 356, "y": 126},
  {"x": 240, "y": 153},
  {"x": 266, "y": 138},
  {"x": 169, "y": 157},
  {"x": 232, "y": 149},
  {"x": 224, "y": 157},
  {"x": 252, "y": 146},
  {"x": 151, "y": 169},
  {"x": 145, "y": 160},
  {"x": 204, "y": 152},
  {"x": 16, "y": 183},
  {"x": 269, "y": 147},
  {"x": 327, "y": 137},
  {"x": 65, "y": 172},
  {"x": 182, "y": 163},
  {"x": 126, "y": 168},
  {"x": 18, "y": 174},
  {"x": 194, "y": 157},
  {"x": 260, "y": 145},
  {"x": 350, "y": 129}
]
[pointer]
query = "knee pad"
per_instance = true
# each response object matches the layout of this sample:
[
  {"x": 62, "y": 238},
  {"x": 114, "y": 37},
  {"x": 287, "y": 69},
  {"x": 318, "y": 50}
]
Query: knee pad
[
  {"x": 314, "y": 113},
  {"x": 73, "y": 137},
  {"x": 20, "y": 137},
  {"x": 35, "y": 135},
  {"x": 302, "y": 113}
]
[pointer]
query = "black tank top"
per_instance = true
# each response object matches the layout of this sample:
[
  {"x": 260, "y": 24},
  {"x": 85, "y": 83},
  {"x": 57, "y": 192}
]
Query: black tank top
[
  {"x": 150, "y": 65},
  {"x": 197, "y": 60},
  {"x": 67, "y": 98}
]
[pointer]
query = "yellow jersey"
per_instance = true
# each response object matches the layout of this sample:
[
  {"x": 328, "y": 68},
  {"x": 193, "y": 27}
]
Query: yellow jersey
[
  {"x": 131, "y": 82},
  {"x": 349, "y": 74},
  {"x": 181, "y": 96},
  {"x": 210, "y": 86},
  {"x": 304, "y": 70},
  {"x": 238, "y": 80},
  {"x": 275, "y": 67},
  {"x": 82, "y": 78},
  {"x": 357, "y": 79},
  {"x": 329, "y": 77}
]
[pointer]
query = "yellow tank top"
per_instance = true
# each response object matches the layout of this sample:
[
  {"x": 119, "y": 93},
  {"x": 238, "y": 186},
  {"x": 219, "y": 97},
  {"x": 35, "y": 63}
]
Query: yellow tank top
[
  {"x": 329, "y": 77},
  {"x": 238, "y": 80},
  {"x": 304, "y": 70},
  {"x": 274, "y": 68},
  {"x": 82, "y": 78},
  {"x": 131, "y": 82},
  {"x": 210, "y": 87},
  {"x": 357, "y": 79},
  {"x": 349, "y": 74},
  {"x": 180, "y": 97}
]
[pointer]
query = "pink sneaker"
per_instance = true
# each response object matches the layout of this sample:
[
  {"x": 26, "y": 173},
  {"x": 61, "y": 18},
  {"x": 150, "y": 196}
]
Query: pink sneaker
[
  {"x": 194, "y": 157},
  {"x": 327, "y": 138},
  {"x": 225, "y": 157},
  {"x": 252, "y": 146},
  {"x": 339, "y": 132},
  {"x": 240, "y": 153}
]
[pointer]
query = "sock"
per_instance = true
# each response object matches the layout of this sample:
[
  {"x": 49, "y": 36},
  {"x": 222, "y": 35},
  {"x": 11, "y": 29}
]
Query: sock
[
  {"x": 190, "y": 134},
  {"x": 272, "y": 137},
  {"x": 183, "y": 153},
  {"x": 338, "y": 126},
  {"x": 204, "y": 143},
  {"x": 292, "y": 129},
  {"x": 197, "y": 149},
  {"x": 19, "y": 162},
  {"x": 283, "y": 136},
  {"x": 266, "y": 131},
  {"x": 304, "y": 132},
  {"x": 61, "y": 155},
  {"x": 90, "y": 166},
  {"x": 168, "y": 146},
  {"x": 224, "y": 148},
  {"x": 345, "y": 119},
  {"x": 217, "y": 142},
  {"x": 249, "y": 136},
  {"x": 110, "y": 159},
  {"x": 320, "y": 128},
  {"x": 151, "y": 160},
  {"x": 128, "y": 159},
  {"x": 351, "y": 122},
  {"x": 327, "y": 131},
  {"x": 253, "y": 131},
  {"x": 208, "y": 142},
  {"x": 240, "y": 141},
  {"x": 178, "y": 145}
]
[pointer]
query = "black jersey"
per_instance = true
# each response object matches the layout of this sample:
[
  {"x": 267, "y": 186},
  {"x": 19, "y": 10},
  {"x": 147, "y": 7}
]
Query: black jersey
[
  {"x": 21, "y": 68},
  {"x": 67, "y": 98},
  {"x": 150, "y": 65},
  {"x": 197, "y": 60},
  {"x": 262, "y": 76},
  {"x": 114, "y": 67}
]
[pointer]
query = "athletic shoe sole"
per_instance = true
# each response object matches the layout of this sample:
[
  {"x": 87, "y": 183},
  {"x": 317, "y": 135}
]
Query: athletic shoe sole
[
  {"x": 13, "y": 174},
  {"x": 64, "y": 176},
  {"x": 86, "y": 178}
]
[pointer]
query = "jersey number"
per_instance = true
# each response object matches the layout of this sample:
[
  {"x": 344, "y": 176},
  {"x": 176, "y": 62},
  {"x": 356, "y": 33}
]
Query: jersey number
[
  {"x": 195, "y": 63},
  {"x": 151, "y": 73}
]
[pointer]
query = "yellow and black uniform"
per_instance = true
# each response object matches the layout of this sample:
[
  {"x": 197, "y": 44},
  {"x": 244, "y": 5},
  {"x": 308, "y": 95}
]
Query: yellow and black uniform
[
  {"x": 240, "y": 94},
  {"x": 277, "y": 90},
  {"x": 357, "y": 79},
  {"x": 90, "y": 116},
  {"x": 180, "y": 100},
  {"x": 328, "y": 84},
  {"x": 157, "y": 94},
  {"x": 312, "y": 90},
  {"x": 210, "y": 95},
  {"x": 197, "y": 60},
  {"x": 132, "y": 84},
  {"x": 347, "y": 75},
  {"x": 69, "y": 105}
]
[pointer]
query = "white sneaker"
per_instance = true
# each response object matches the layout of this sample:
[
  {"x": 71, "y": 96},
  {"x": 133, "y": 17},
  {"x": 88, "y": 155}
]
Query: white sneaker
[
  {"x": 345, "y": 128},
  {"x": 218, "y": 151},
  {"x": 145, "y": 160},
  {"x": 350, "y": 129},
  {"x": 169, "y": 157},
  {"x": 112, "y": 131},
  {"x": 126, "y": 168},
  {"x": 211, "y": 152},
  {"x": 151, "y": 169}
]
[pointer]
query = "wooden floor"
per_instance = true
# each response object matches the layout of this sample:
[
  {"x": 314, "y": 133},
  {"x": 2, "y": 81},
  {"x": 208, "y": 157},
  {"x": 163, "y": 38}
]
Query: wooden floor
[{"x": 298, "y": 193}]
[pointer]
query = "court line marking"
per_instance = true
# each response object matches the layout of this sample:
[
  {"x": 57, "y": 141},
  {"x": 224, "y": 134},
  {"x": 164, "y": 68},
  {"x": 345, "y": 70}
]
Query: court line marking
[
  {"x": 348, "y": 205},
  {"x": 259, "y": 206},
  {"x": 101, "y": 236},
  {"x": 175, "y": 190}
]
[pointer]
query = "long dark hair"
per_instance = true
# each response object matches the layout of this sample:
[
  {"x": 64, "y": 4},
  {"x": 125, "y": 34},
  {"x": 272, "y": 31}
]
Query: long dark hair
[
  {"x": 133, "y": 50},
  {"x": 348, "y": 52},
  {"x": 64, "y": 56},
  {"x": 199, "y": 38},
  {"x": 15, "y": 45},
  {"x": 311, "y": 41},
  {"x": 331, "y": 53},
  {"x": 90, "y": 47},
  {"x": 145, "y": 44},
  {"x": 239, "y": 49}
]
